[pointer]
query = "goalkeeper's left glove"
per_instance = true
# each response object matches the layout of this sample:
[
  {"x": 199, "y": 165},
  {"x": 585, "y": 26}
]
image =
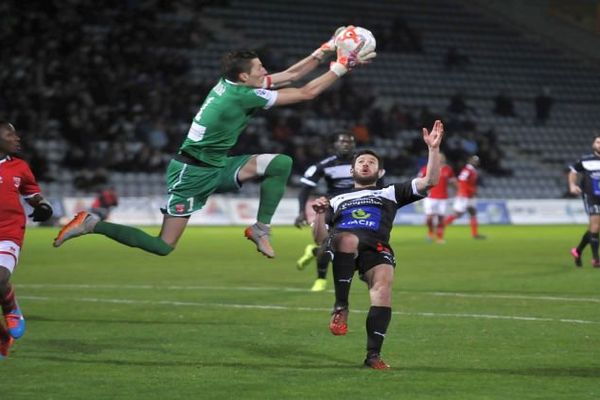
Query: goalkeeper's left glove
[
  {"x": 42, "y": 211},
  {"x": 327, "y": 47}
]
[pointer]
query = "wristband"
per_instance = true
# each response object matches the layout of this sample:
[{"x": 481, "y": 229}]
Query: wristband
[
  {"x": 267, "y": 82},
  {"x": 338, "y": 68}
]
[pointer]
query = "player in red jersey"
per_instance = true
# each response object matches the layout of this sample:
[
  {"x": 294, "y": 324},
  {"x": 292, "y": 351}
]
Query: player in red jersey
[
  {"x": 16, "y": 181},
  {"x": 105, "y": 201},
  {"x": 465, "y": 197},
  {"x": 436, "y": 202}
]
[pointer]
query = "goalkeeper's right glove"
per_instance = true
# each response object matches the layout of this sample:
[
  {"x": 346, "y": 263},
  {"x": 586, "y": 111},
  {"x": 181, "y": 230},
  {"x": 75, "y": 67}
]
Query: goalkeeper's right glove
[
  {"x": 348, "y": 60},
  {"x": 327, "y": 47}
]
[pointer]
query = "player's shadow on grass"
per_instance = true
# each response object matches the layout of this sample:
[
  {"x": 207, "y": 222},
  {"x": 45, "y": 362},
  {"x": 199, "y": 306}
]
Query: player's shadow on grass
[
  {"x": 125, "y": 321},
  {"x": 209, "y": 363},
  {"x": 338, "y": 364},
  {"x": 291, "y": 351}
]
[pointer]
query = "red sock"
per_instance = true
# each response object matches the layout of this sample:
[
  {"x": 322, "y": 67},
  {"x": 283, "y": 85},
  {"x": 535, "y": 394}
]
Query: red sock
[
  {"x": 8, "y": 302},
  {"x": 474, "y": 225},
  {"x": 440, "y": 228}
]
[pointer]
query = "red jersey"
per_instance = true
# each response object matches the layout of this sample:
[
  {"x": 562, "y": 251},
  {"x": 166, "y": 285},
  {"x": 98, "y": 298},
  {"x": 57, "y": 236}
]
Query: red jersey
[
  {"x": 16, "y": 180},
  {"x": 439, "y": 191},
  {"x": 467, "y": 181}
]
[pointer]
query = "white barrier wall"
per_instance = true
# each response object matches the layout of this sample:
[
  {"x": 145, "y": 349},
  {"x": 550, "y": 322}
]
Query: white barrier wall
[
  {"x": 223, "y": 210},
  {"x": 546, "y": 212}
]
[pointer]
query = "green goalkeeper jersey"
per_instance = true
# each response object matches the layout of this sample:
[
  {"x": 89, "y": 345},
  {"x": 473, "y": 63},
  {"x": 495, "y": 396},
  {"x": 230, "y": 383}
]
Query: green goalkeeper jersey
[{"x": 223, "y": 116}]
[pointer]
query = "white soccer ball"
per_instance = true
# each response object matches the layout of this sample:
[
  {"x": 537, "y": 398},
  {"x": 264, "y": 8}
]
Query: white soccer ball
[{"x": 356, "y": 39}]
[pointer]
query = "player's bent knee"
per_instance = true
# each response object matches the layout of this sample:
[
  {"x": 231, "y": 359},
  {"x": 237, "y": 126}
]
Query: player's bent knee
[
  {"x": 346, "y": 242},
  {"x": 279, "y": 165}
]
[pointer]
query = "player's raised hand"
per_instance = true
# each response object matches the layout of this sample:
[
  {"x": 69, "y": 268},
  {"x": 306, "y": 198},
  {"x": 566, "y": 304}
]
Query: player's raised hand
[
  {"x": 321, "y": 205},
  {"x": 434, "y": 138}
]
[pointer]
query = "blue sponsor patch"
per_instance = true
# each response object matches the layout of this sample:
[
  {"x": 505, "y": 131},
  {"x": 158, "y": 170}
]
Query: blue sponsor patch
[
  {"x": 596, "y": 186},
  {"x": 360, "y": 218}
]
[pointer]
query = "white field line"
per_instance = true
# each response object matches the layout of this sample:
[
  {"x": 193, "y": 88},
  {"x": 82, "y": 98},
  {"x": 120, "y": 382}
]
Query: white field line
[
  {"x": 310, "y": 309},
  {"x": 513, "y": 296}
]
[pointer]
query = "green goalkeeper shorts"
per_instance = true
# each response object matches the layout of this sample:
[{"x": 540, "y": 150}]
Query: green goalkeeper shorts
[{"x": 189, "y": 186}]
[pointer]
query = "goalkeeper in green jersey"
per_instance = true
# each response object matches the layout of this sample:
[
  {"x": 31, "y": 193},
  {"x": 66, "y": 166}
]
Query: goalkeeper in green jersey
[{"x": 202, "y": 165}]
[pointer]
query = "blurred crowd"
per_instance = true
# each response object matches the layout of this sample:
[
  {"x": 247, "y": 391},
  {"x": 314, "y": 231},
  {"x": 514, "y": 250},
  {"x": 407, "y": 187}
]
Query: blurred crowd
[{"x": 113, "y": 79}]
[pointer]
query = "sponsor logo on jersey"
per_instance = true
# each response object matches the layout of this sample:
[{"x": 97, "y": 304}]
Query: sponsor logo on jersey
[
  {"x": 360, "y": 214},
  {"x": 360, "y": 218},
  {"x": 262, "y": 93}
]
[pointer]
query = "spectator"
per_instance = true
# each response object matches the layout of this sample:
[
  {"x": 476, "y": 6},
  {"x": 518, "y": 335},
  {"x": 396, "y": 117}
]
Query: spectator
[
  {"x": 503, "y": 105},
  {"x": 455, "y": 60},
  {"x": 543, "y": 105}
]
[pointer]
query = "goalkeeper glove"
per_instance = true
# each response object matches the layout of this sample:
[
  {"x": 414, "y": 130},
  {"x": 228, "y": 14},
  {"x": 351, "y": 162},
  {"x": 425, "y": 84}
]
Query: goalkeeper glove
[
  {"x": 327, "y": 47},
  {"x": 41, "y": 212},
  {"x": 348, "y": 60}
]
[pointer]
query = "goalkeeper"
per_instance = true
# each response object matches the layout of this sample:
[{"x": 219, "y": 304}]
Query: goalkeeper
[{"x": 202, "y": 166}]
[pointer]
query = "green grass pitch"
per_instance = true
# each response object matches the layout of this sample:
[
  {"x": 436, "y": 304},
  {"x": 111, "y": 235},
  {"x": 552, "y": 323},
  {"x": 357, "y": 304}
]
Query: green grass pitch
[{"x": 505, "y": 318}]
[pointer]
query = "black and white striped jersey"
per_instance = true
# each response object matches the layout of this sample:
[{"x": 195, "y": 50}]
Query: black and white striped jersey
[
  {"x": 335, "y": 170},
  {"x": 589, "y": 167},
  {"x": 369, "y": 213}
]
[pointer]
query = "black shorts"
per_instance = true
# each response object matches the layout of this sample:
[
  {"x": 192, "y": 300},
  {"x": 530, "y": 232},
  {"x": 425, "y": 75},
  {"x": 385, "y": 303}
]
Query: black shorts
[
  {"x": 370, "y": 254},
  {"x": 369, "y": 258},
  {"x": 591, "y": 204}
]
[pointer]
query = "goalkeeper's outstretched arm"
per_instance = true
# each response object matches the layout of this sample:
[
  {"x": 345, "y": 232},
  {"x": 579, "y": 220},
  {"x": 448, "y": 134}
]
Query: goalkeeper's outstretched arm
[{"x": 302, "y": 67}]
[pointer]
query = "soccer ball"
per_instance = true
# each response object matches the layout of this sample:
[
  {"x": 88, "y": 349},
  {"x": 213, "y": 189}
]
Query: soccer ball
[{"x": 356, "y": 39}]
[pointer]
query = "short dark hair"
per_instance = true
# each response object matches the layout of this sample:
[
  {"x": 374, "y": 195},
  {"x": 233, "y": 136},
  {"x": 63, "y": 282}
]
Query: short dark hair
[
  {"x": 236, "y": 62},
  {"x": 367, "y": 151}
]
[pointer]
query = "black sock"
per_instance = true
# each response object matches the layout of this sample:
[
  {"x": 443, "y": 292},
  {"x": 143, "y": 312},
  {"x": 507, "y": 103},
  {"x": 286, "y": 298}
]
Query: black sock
[
  {"x": 594, "y": 244},
  {"x": 343, "y": 269},
  {"x": 323, "y": 259},
  {"x": 585, "y": 239},
  {"x": 378, "y": 320}
]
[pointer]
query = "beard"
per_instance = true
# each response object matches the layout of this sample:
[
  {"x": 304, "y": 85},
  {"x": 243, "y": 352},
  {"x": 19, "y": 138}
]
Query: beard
[{"x": 369, "y": 180}]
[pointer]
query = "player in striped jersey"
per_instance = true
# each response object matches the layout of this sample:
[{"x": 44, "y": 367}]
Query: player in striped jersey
[
  {"x": 336, "y": 172},
  {"x": 358, "y": 233},
  {"x": 589, "y": 190}
]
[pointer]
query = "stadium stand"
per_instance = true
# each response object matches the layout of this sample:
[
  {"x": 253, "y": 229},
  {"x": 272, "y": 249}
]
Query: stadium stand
[{"x": 105, "y": 91}]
